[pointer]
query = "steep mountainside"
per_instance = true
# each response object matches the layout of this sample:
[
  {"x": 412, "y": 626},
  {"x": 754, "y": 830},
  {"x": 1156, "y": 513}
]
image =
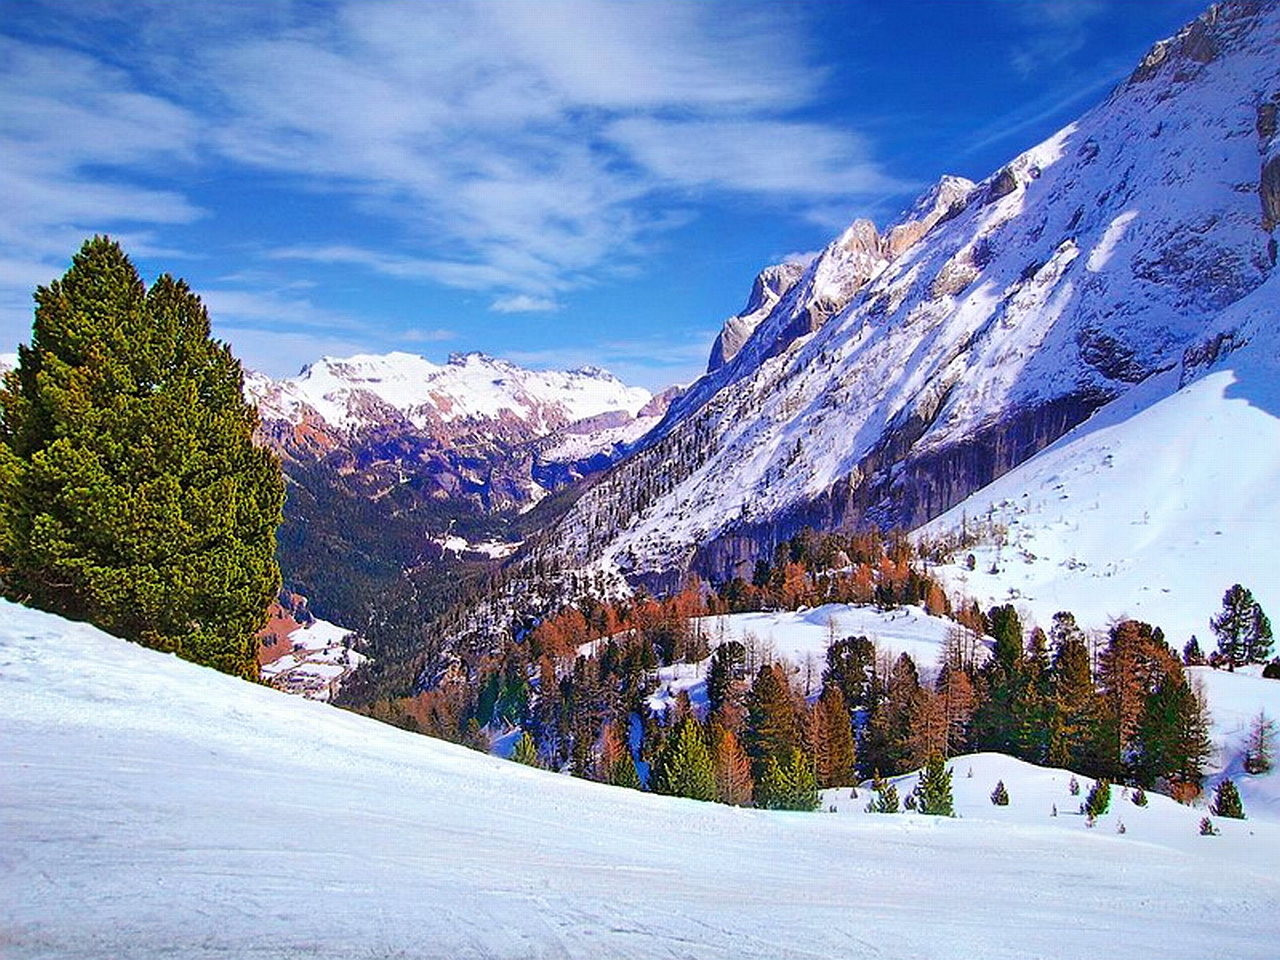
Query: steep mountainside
[
  {"x": 903, "y": 371},
  {"x": 395, "y": 463}
]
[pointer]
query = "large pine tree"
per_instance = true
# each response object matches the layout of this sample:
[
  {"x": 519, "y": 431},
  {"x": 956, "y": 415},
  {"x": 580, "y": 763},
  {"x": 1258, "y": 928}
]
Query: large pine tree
[{"x": 134, "y": 497}]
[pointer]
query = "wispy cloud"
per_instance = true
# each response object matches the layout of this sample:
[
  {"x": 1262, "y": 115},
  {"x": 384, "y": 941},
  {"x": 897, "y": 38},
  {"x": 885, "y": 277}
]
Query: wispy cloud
[
  {"x": 517, "y": 149},
  {"x": 1052, "y": 31},
  {"x": 523, "y": 303}
]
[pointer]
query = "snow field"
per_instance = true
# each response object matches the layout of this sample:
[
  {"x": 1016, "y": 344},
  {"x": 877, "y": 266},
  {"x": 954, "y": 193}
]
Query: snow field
[{"x": 153, "y": 808}]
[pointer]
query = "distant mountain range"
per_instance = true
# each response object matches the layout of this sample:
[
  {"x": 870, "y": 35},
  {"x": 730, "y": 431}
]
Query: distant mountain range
[{"x": 397, "y": 464}]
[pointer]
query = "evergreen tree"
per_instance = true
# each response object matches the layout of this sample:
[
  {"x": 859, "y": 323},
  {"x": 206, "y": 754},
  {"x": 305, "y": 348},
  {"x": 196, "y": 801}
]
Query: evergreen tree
[
  {"x": 773, "y": 727},
  {"x": 1226, "y": 801},
  {"x": 1242, "y": 629},
  {"x": 886, "y": 740},
  {"x": 723, "y": 672},
  {"x": 1000, "y": 795},
  {"x": 851, "y": 666},
  {"x": 684, "y": 766},
  {"x": 526, "y": 751},
  {"x": 933, "y": 790},
  {"x": 134, "y": 496},
  {"x": 1073, "y": 706},
  {"x": 1098, "y": 801},
  {"x": 623, "y": 773},
  {"x": 886, "y": 800},
  {"x": 788, "y": 785},
  {"x": 1173, "y": 736}
]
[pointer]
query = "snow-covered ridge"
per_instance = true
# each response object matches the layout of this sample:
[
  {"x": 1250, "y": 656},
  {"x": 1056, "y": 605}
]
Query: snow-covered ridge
[{"x": 355, "y": 391}]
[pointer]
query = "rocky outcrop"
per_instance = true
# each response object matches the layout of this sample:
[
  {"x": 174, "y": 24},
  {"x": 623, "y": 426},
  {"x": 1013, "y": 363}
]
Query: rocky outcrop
[{"x": 770, "y": 286}]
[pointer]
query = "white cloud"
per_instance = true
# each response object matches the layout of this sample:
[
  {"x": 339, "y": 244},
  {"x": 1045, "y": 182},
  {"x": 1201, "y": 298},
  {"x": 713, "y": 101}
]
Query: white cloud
[
  {"x": 523, "y": 303},
  {"x": 1052, "y": 31},
  {"x": 518, "y": 150}
]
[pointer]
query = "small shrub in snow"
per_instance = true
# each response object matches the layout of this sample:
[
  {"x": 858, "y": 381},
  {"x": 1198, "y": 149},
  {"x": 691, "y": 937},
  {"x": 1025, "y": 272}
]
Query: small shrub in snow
[
  {"x": 1226, "y": 801},
  {"x": 1073, "y": 787},
  {"x": 1139, "y": 797},
  {"x": 886, "y": 798},
  {"x": 1099, "y": 800},
  {"x": 1207, "y": 829},
  {"x": 1000, "y": 796},
  {"x": 1120, "y": 828},
  {"x": 910, "y": 802}
]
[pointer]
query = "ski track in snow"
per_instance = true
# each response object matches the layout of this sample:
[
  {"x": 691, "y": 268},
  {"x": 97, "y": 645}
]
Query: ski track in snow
[{"x": 152, "y": 808}]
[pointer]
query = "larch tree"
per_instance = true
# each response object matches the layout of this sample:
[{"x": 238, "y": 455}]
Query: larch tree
[{"x": 134, "y": 495}]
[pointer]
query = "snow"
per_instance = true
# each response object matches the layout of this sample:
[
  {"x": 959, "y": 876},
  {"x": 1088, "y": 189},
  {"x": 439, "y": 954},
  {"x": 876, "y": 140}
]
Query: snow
[
  {"x": 345, "y": 392},
  {"x": 151, "y": 808},
  {"x": 1124, "y": 239},
  {"x": 1153, "y": 507},
  {"x": 320, "y": 660}
]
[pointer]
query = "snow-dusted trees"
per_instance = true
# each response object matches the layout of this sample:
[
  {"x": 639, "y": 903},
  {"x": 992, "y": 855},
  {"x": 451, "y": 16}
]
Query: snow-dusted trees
[{"x": 1242, "y": 629}]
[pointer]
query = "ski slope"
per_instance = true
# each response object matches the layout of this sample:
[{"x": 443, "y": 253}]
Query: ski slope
[{"x": 151, "y": 809}]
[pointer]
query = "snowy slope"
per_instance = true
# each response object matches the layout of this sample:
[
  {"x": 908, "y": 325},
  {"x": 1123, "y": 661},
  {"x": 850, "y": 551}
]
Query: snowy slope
[
  {"x": 151, "y": 808},
  {"x": 1085, "y": 266},
  {"x": 1152, "y": 508}
]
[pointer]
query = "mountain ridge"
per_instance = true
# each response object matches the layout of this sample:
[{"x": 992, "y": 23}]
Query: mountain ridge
[{"x": 1082, "y": 267}]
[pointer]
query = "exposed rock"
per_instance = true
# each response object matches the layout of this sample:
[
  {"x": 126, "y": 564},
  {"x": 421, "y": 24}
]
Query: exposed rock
[
  {"x": 770, "y": 286},
  {"x": 947, "y": 199},
  {"x": 1269, "y": 192},
  {"x": 1001, "y": 185}
]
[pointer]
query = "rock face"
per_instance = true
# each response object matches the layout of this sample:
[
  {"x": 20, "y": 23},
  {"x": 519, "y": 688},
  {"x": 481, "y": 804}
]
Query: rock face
[
  {"x": 770, "y": 286},
  {"x": 905, "y": 369}
]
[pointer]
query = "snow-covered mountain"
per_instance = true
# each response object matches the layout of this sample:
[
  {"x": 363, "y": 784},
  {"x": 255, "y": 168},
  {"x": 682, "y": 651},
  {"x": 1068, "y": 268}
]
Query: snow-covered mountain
[
  {"x": 490, "y": 411},
  {"x": 153, "y": 808},
  {"x": 906, "y": 369},
  {"x": 1151, "y": 508},
  {"x": 397, "y": 464}
]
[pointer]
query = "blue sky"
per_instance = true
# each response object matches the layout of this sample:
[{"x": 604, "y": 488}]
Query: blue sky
[{"x": 557, "y": 183}]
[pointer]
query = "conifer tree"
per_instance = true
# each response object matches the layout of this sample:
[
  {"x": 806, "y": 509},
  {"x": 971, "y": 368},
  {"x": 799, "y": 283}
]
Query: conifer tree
[
  {"x": 1000, "y": 795},
  {"x": 1258, "y": 748},
  {"x": 623, "y": 772},
  {"x": 526, "y": 751},
  {"x": 773, "y": 727},
  {"x": 788, "y": 784},
  {"x": 684, "y": 766},
  {"x": 1098, "y": 801},
  {"x": 734, "y": 784},
  {"x": 134, "y": 495},
  {"x": 1226, "y": 801},
  {"x": 886, "y": 799},
  {"x": 836, "y": 767},
  {"x": 933, "y": 790},
  {"x": 1242, "y": 629}
]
